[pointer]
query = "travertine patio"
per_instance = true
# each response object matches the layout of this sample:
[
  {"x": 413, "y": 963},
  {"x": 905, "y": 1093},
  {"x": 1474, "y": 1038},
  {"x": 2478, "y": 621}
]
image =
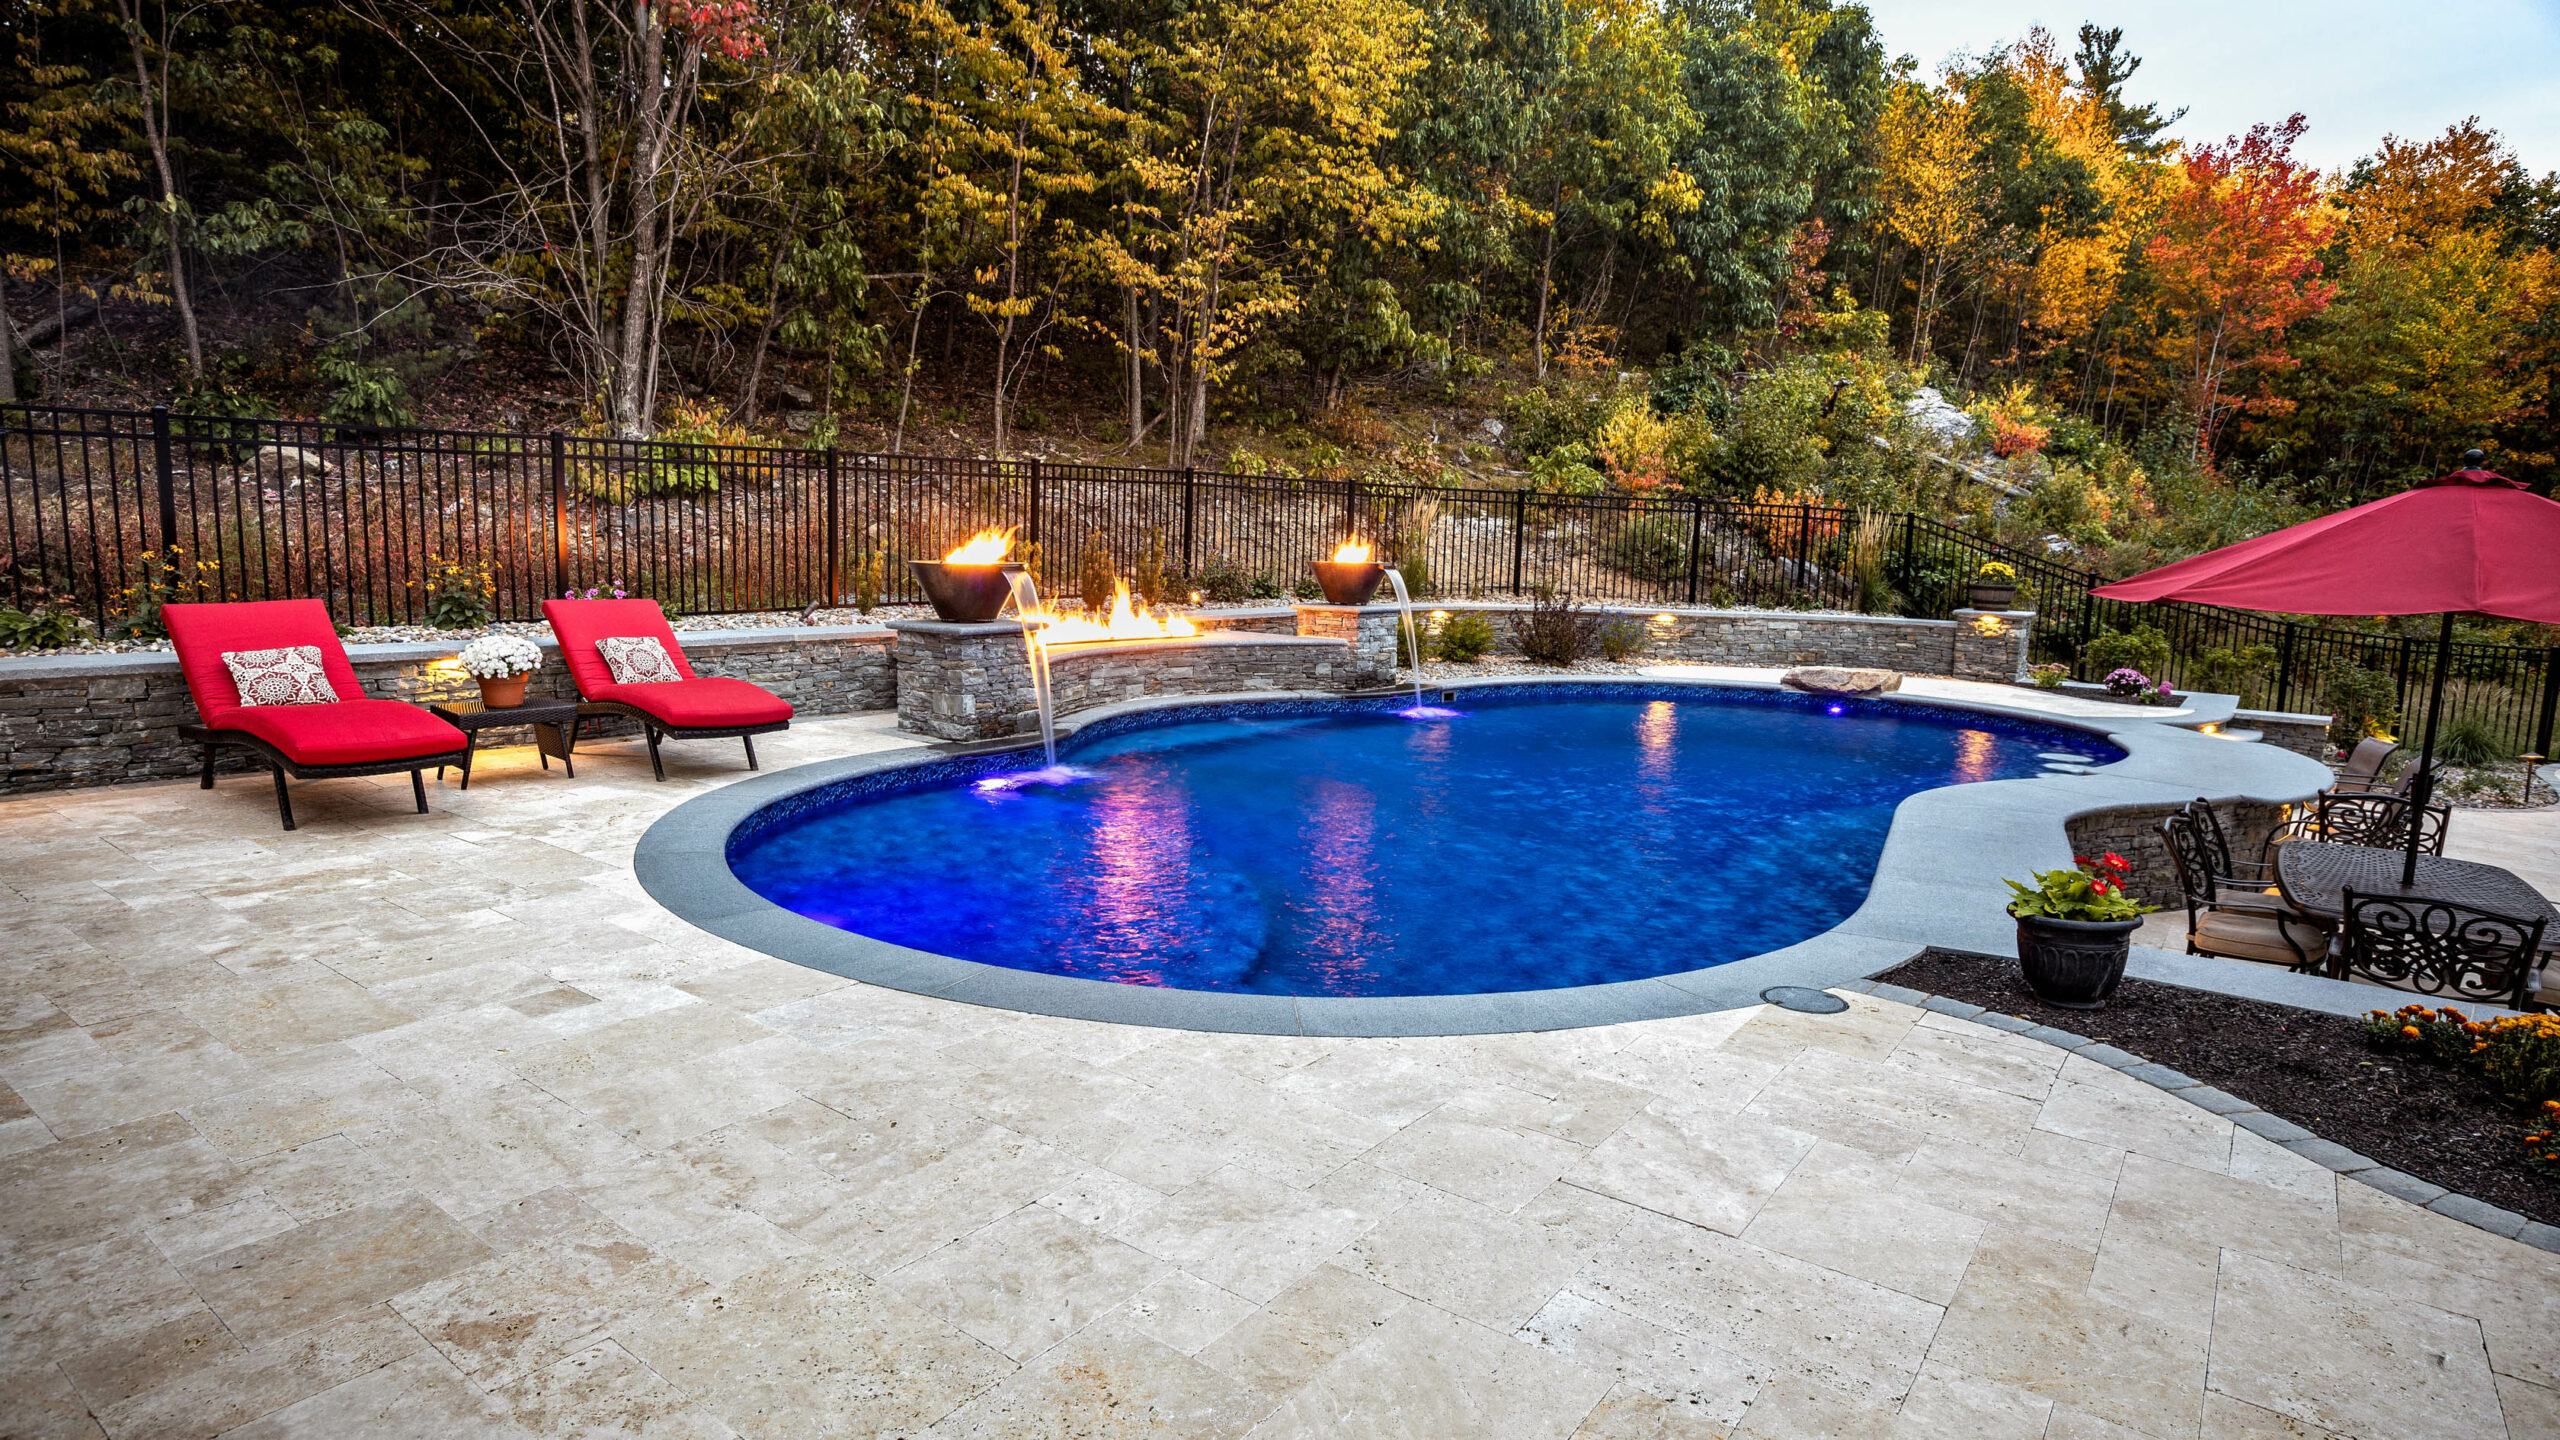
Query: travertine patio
[{"x": 436, "y": 1126}]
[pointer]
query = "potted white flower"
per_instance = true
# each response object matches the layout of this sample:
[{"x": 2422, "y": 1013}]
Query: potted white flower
[{"x": 501, "y": 663}]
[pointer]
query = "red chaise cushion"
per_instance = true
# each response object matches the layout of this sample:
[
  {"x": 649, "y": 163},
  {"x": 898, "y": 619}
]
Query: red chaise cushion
[
  {"x": 694, "y": 702},
  {"x": 349, "y": 732}
]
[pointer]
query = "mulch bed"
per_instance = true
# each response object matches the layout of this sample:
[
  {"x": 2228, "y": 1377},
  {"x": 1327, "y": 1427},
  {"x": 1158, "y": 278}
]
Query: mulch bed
[{"x": 2443, "y": 1125}]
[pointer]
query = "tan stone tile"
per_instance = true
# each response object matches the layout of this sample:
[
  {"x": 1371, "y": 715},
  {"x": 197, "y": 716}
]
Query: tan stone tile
[
  {"x": 481, "y": 1146},
  {"x": 1629, "y": 1413},
  {"x": 328, "y": 1175},
  {"x": 1868, "y": 1030},
  {"x": 2445, "y": 1264},
  {"x": 331, "y": 1269},
  {"x": 2264, "y": 1162},
  {"x": 81, "y": 1295},
  {"x": 238, "y": 1389},
  {"x": 419, "y": 1397},
  {"x": 1698, "y": 1076},
  {"x": 260, "y": 1121},
  {"x": 515, "y": 1313},
  {"x": 1459, "y": 1148},
  {"x": 127, "y": 1070},
  {"x": 1705, "y": 1385},
  {"x": 1027, "y": 1281},
  {"x": 2130, "y": 1115},
  {"x": 1955, "y": 1050},
  {"x": 1862, "y": 1103},
  {"x": 1702, "y": 1166},
  {"x": 1795, "y": 1408},
  {"x": 1246, "y": 1232},
  {"x": 599, "y": 1058},
  {"x": 1395, "y": 1085},
  {"x": 602, "y": 1393},
  {"x": 2077, "y": 1351},
  {"x": 39, "y": 1404},
  {"x": 2240, "y": 1215},
  {"x": 1493, "y": 1268},
  {"x": 295, "y": 1016},
  {"x": 805, "y": 1347},
  {"x": 1303, "y": 1329},
  {"x": 657, "y": 1107},
  {"x": 1185, "y": 1312},
  {"x": 1108, "y": 1380},
  {"x": 205, "y": 1232},
  {"x": 23, "y": 1134},
  {"x": 118, "y": 1369},
  {"x": 2166, "y": 1276},
  {"x": 1101, "y": 1199},
  {"x": 1780, "y": 1312},
  {"x": 1946, "y": 1401},
  {"x": 1841, "y": 1211},
  {"x": 2014, "y": 1191},
  {"x": 1428, "y": 1373},
  {"x": 2229, "y": 1419},
  {"x": 2530, "y": 1409},
  {"x": 973, "y": 1182},
  {"x": 761, "y": 984},
  {"x": 2346, "y": 1358},
  {"x": 151, "y": 1170}
]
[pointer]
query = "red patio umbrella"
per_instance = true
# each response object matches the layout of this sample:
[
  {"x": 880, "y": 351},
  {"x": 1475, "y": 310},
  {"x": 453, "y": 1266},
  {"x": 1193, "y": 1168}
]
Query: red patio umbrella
[{"x": 2472, "y": 542}]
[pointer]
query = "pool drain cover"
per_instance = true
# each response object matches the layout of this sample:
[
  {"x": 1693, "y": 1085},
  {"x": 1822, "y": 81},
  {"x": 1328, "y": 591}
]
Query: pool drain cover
[{"x": 1797, "y": 997}]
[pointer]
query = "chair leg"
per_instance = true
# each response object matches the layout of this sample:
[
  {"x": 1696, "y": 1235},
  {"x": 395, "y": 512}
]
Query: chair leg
[
  {"x": 418, "y": 787},
  {"x": 206, "y": 782},
  {"x": 284, "y": 799},
  {"x": 655, "y": 764},
  {"x": 751, "y": 752}
]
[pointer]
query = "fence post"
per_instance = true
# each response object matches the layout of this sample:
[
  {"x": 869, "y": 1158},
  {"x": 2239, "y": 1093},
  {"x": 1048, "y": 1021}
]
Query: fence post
[
  {"x": 1697, "y": 535},
  {"x": 167, "y": 478},
  {"x": 1190, "y": 512},
  {"x": 559, "y": 514},
  {"x": 1350, "y": 506},
  {"x": 1033, "y": 529},
  {"x": 835, "y": 529},
  {"x": 2550, "y": 701},
  {"x": 2284, "y": 669},
  {"x": 1910, "y": 522},
  {"x": 1519, "y": 535}
]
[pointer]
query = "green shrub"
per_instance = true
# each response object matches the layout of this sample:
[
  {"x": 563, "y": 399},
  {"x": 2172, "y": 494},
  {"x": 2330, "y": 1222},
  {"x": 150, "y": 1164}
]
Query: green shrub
[
  {"x": 1465, "y": 637},
  {"x": 1094, "y": 574},
  {"x": 870, "y": 577},
  {"x": 2470, "y": 741},
  {"x": 41, "y": 630},
  {"x": 458, "y": 597},
  {"x": 2240, "y": 672},
  {"x": 1622, "y": 640},
  {"x": 1652, "y": 547},
  {"x": 1227, "y": 583},
  {"x": 1556, "y": 631},
  {"x": 2146, "y": 650},
  {"x": 2361, "y": 702}
]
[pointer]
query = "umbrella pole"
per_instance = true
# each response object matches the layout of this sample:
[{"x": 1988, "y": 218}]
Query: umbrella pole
[{"x": 2424, "y": 788}]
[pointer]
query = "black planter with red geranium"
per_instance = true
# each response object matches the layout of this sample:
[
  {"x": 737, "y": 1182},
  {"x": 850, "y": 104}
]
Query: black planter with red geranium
[{"x": 2075, "y": 928}]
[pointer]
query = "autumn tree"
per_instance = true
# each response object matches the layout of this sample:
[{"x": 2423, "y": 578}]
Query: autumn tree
[{"x": 2235, "y": 265}]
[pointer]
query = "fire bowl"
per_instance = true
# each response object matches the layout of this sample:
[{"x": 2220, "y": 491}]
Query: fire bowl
[
  {"x": 1349, "y": 582},
  {"x": 969, "y": 594}
]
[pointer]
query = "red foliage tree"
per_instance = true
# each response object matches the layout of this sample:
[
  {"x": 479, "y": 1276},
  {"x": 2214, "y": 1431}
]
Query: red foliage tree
[{"x": 2235, "y": 262}]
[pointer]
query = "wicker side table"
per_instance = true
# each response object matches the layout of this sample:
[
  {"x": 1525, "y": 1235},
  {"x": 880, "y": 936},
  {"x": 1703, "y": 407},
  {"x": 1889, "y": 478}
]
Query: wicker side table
[{"x": 554, "y": 722}]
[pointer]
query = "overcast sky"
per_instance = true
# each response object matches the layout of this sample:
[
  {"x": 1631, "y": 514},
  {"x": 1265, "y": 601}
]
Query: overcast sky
[{"x": 2358, "y": 69}]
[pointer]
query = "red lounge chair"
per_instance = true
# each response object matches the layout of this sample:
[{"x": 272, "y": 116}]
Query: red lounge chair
[
  {"x": 695, "y": 707},
  {"x": 350, "y": 736}
]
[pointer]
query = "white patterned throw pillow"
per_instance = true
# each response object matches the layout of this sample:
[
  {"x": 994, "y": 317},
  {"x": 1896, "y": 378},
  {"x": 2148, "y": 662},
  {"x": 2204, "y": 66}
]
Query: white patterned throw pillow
[
  {"x": 290, "y": 676},
  {"x": 638, "y": 660}
]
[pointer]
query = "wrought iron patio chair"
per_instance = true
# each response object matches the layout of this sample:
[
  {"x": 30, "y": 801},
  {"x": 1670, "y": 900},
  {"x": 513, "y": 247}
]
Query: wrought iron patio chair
[
  {"x": 2230, "y": 917},
  {"x": 2439, "y": 947},
  {"x": 2381, "y": 821}
]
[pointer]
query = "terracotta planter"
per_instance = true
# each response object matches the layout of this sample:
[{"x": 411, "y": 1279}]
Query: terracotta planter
[
  {"x": 1993, "y": 597},
  {"x": 2076, "y": 964},
  {"x": 967, "y": 594},
  {"x": 1349, "y": 582},
  {"x": 505, "y": 693}
]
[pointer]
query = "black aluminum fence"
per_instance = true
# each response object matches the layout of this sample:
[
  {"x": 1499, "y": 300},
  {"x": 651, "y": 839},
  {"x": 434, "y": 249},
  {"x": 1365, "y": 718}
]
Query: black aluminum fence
[{"x": 98, "y": 502}]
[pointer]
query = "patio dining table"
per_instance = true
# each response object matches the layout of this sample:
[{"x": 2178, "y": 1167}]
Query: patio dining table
[{"x": 2315, "y": 876}]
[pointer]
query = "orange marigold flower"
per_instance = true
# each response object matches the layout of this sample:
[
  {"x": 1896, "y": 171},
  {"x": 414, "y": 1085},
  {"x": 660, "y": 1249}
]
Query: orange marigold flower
[{"x": 2408, "y": 1032}]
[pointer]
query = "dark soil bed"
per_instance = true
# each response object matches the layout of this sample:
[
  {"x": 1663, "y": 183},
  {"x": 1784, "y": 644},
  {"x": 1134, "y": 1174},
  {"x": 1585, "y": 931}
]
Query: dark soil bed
[{"x": 2442, "y": 1125}]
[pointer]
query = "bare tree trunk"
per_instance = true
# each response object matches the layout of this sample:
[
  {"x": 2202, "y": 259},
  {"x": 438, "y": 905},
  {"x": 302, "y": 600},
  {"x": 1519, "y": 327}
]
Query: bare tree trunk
[
  {"x": 907, "y": 379},
  {"x": 1012, "y": 292},
  {"x": 155, "y": 130},
  {"x": 749, "y": 406},
  {"x": 1546, "y": 276},
  {"x": 1137, "y": 370}
]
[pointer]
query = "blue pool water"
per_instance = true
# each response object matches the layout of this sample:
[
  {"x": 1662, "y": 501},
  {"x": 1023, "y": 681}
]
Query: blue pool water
[{"x": 1529, "y": 842}]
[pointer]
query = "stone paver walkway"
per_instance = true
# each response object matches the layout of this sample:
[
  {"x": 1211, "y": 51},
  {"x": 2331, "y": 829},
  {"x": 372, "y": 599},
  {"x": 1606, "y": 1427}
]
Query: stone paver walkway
[{"x": 435, "y": 1126}]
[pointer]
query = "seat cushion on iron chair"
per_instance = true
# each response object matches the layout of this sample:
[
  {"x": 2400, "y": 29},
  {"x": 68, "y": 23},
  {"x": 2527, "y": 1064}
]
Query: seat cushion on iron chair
[
  {"x": 705, "y": 703},
  {"x": 2238, "y": 936},
  {"x": 348, "y": 732}
]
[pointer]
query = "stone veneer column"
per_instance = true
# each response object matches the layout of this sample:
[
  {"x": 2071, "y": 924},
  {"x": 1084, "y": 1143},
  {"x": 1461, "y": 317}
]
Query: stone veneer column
[
  {"x": 1992, "y": 644},
  {"x": 1370, "y": 631},
  {"x": 964, "y": 682}
]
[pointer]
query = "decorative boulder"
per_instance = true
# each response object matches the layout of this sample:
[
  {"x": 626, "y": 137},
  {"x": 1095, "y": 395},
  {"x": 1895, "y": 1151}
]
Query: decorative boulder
[{"x": 1840, "y": 680}]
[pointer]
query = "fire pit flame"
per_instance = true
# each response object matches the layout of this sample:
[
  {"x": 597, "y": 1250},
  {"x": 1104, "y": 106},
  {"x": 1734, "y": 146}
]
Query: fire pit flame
[
  {"x": 1354, "y": 551},
  {"x": 987, "y": 547},
  {"x": 1125, "y": 621}
]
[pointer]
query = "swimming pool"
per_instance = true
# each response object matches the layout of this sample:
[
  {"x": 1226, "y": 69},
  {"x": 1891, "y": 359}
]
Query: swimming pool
[{"x": 1540, "y": 838}]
